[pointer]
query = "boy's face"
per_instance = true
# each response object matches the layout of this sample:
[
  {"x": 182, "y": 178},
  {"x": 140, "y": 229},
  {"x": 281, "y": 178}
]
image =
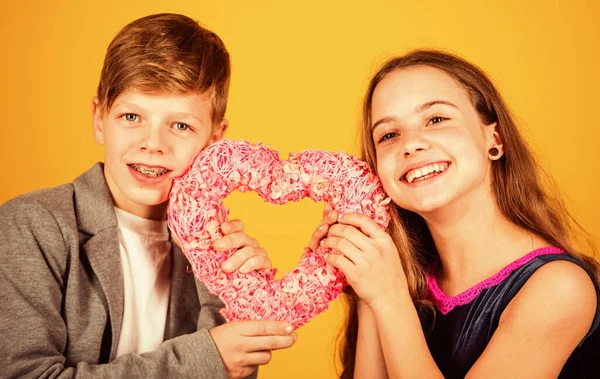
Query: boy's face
[{"x": 148, "y": 140}]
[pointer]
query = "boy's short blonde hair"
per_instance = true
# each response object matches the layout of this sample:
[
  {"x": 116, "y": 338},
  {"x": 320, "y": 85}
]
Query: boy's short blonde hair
[{"x": 166, "y": 53}]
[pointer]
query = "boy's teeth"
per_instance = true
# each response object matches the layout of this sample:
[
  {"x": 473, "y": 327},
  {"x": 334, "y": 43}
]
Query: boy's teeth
[
  {"x": 413, "y": 175},
  {"x": 151, "y": 172}
]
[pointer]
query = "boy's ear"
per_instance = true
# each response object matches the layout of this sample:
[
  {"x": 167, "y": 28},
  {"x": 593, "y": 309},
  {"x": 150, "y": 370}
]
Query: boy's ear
[
  {"x": 219, "y": 131},
  {"x": 97, "y": 121}
]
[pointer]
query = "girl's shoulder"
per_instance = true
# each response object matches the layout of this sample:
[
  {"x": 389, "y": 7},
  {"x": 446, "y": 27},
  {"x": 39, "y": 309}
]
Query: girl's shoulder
[{"x": 556, "y": 291}]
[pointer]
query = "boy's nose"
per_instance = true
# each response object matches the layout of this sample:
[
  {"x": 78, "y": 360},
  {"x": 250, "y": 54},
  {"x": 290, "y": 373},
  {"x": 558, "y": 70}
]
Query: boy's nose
[{"x": 152, "y": 140}]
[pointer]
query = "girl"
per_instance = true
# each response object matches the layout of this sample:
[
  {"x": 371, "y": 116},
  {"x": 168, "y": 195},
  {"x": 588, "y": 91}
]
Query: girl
[{"x": 478, "y": 276}]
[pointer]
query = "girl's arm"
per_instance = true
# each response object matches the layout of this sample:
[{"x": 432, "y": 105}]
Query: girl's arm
[
  {"x": 369, "y": 362},
  {"x": 541, "y": 326},
  {"x": 537, "y": 332}
]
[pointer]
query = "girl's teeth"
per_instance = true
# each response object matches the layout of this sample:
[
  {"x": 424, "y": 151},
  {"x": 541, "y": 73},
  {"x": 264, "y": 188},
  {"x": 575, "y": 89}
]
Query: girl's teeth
[{"x": 424, "y": 171}]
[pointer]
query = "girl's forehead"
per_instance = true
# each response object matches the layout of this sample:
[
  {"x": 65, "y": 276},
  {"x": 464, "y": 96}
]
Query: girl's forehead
[{"x": 412, "y": 87}]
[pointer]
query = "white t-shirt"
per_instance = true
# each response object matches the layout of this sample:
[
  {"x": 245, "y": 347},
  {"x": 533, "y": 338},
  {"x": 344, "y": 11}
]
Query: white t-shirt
[{"x": 146, "y": 261}]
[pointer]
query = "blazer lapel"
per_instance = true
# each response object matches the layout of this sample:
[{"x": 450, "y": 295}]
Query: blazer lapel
[
  {"x": 100, "y": 242},
  {"x": 103, "y": 254}
]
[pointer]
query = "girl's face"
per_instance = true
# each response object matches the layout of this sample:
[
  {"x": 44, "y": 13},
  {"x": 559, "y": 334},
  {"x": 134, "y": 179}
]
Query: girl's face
[{"x": 431, "y": 147}]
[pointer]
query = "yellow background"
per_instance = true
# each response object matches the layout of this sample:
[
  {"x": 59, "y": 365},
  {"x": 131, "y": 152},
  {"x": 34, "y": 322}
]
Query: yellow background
[{"x": 299, "y": 72}]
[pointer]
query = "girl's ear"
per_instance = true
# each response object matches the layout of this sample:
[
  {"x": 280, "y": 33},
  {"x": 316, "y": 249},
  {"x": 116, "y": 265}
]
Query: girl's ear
[
  {"x": 495, "y": 146},
  {"x": 97, "y": 121}
]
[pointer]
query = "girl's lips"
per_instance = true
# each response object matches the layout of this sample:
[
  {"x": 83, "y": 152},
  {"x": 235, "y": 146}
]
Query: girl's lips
[
  {"x": 144, "y": 179},
  {"x": 425, "y": 180}
]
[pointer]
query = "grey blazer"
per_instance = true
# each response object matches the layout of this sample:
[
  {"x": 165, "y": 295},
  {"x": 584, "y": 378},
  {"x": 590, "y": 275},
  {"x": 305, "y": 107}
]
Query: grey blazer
[{"x": 61, "y": 293}]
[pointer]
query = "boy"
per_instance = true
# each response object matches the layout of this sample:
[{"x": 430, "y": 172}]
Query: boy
[{"x": 91, "y": 284}]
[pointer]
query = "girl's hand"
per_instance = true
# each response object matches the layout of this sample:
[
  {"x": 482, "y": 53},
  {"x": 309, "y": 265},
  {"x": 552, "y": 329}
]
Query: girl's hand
[
  {"x": 368, "y": 257},
  {"x": 250, "y": 256},
  {"x": 329, "y": 218}
]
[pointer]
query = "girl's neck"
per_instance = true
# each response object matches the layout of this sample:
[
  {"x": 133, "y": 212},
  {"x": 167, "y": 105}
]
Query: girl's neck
[{"x": 474, "y": 241}]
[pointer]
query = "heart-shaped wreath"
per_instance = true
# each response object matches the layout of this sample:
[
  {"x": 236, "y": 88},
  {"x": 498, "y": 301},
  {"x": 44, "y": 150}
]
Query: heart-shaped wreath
[{"x": 196, "y": 211}]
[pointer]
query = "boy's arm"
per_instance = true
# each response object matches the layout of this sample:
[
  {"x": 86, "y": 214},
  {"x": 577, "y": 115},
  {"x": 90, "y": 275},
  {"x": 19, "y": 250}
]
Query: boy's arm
[{"x": 32, "y": 282}]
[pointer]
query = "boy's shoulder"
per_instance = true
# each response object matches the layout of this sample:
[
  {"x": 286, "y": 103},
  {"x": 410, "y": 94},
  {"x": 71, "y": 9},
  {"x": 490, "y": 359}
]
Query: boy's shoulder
[{"x": 69, "y": 205}]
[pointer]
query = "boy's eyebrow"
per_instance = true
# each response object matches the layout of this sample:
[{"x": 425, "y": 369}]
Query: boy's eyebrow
[
  {"x": 418, "y": 109},
  {"x": 186, "y": 115}
]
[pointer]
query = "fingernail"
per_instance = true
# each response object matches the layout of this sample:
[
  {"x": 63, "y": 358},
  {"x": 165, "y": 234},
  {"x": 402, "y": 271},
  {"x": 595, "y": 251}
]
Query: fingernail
[
  {"x": 322, "y": 242},
  {"x": 295, "y": 337},
  {"x": 330, "y": 214},
  {"x": 243, "y": 269},
  {"x": 340, "y": 216},
  {"x": 218, "y": 245},
  {"x": 227, "y": 266},
  {"x": 289, "y": 329},
  {"x": 322, "y": 227}
]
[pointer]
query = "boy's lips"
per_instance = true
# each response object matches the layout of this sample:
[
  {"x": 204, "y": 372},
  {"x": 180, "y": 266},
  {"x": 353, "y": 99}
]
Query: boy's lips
[
  {"x": 149, "y": 171},
  {"x": 424, "y": 170},
  {"x": 149, "y": 175}
]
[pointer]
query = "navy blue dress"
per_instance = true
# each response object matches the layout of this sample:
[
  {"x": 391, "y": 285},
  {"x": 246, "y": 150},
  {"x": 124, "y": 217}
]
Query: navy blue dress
[{"x": 465, "y": 323}]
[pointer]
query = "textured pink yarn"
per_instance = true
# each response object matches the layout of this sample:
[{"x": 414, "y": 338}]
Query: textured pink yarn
[
  {"x": 445, "y": 303},
  {"x": 196, "y": 211}
]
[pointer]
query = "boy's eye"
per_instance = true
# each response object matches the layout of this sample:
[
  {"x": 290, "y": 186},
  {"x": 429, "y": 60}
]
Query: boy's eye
[
  {"x": 436, "y": 120},
  {"x": 181, "y": 126},
  {"x": 387, "y": 136},
  {"x": 130, "y": 117}
]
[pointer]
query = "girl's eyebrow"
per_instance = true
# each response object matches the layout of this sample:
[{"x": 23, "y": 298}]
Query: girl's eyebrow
[
  {"x": 418, "y": 109},
  {"x": 430, "y": 104}
]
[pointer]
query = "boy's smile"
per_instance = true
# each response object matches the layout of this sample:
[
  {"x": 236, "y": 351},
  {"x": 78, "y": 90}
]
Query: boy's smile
[{"x": 149, "y": 139}]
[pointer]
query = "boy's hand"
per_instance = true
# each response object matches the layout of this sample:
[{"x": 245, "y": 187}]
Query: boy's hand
[
  {"x": 250, "y": 256},
  {"x": 245, "y": 345}
]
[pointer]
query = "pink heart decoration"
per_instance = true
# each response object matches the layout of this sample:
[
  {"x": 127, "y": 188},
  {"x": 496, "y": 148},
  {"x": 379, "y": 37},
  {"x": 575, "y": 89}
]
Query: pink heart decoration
[{"x": 196, "y": 211}]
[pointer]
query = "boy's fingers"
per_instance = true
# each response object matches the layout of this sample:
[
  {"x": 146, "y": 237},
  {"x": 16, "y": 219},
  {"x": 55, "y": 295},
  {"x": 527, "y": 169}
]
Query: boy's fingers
[
  {"x": 305, "y": 252},
  {"x": 326, "y": 210},
  {"x": 261, "y": 343},
  {"x": 264, "y": 328},
  {"x": 232, "y": 226},
  {"x": 257, "y": 358},
  {"x": 256, "y": 262},
  {"x": 244, "y": 257},
  {"x": 234, "y": 241}
]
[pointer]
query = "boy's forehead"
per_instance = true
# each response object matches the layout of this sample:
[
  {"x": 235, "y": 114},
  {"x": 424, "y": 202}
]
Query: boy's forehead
[{"x": 139, "y": 97}]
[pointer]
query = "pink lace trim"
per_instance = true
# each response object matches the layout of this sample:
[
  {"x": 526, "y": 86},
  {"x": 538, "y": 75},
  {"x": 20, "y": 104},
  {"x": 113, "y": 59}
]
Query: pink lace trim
[{"x": 445, "y": 303}]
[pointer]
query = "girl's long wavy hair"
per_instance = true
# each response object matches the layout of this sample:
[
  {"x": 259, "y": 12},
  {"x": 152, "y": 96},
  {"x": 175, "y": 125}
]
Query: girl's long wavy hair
[{"x": 523, "y": 191}]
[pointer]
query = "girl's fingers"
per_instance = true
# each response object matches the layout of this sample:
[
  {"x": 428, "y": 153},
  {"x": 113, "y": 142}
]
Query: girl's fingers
[
  {"x": 345, "y": 247},
  {"x": 362, "y": 222},
  {"x": 343, "y": 264},
  {"x": 317, "y": 236},
  {"x": 329, "y": 218},
  {"x": 352, "y": 234}
]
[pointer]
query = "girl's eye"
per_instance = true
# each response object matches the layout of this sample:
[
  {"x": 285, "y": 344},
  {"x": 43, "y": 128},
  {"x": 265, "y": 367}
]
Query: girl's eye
[
  {"x": 436, "y": 120},
  {"x": 131, "y": 117},
  {"x": 181, "y": 126},
  {"x": 387, "y": 136}
]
